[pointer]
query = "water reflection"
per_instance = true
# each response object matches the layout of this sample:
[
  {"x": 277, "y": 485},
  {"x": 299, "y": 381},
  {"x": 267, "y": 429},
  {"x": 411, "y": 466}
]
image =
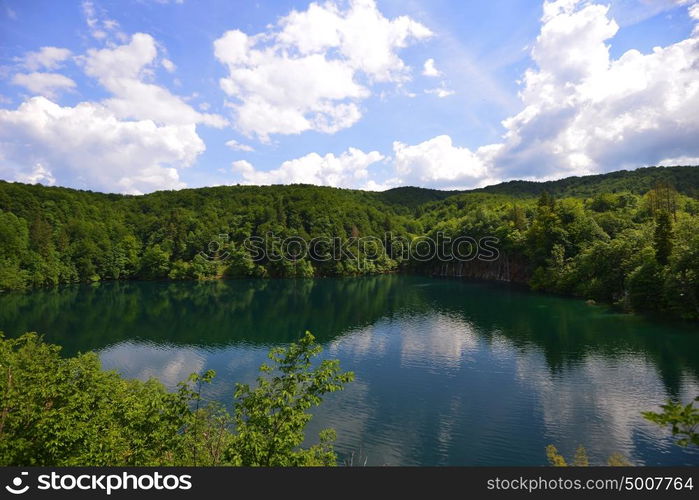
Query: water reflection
[
  {"x": 144, "y": 360},
  {"x": 252, "y": 312},
  {"x": 447, "y": 372}
]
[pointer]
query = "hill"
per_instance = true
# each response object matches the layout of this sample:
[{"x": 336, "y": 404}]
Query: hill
[
  {"x": 622, "y": 237},
  {"x": 684, "y": 179}
]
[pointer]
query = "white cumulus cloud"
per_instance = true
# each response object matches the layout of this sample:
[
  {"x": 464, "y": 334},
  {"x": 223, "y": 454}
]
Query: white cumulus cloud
[
  {"x": 134, "y": 141},
  {"x": 438, "y": 163},
  {"x": 46, "y": 84},
  {"x": 349, "y": 169},
  {"x": 87, "y": 146},
  {"x": 124, "y": 71},
  {"x": 49, "y": 58},
  {"x": 311, "y": 69},
  {"x": 585, "y": 112},
  {"x": 37, "y": 175}
]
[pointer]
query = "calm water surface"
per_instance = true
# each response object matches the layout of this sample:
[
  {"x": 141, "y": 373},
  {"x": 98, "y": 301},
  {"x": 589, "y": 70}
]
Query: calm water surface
[{"x": 447, "y": 372}]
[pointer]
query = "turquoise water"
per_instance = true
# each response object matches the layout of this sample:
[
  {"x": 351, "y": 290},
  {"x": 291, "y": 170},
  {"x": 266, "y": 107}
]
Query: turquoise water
[{"x": 447, "y": 372}]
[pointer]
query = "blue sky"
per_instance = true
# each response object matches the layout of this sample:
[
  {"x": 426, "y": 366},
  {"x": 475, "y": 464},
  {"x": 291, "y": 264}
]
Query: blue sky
[{"x": 140, "y": 95}]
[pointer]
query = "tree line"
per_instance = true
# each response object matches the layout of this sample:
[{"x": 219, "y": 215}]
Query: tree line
[{"x": 630, "y": 238}]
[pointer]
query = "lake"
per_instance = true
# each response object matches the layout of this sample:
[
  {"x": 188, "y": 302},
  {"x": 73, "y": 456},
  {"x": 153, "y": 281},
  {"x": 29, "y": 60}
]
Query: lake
[{"x": 447, "y": 372}]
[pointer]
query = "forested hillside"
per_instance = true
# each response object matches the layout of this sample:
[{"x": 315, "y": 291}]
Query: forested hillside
[
  {"x": 639, "y": 181},
  {"x": 627, "y": 237}
]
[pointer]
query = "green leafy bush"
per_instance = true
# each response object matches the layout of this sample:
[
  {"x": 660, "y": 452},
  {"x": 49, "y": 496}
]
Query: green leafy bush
[{"x": 58, "y": 411}]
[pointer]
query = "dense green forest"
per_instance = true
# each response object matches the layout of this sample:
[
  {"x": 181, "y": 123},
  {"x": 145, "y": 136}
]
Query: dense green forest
[{"x": 628, "y": 237}]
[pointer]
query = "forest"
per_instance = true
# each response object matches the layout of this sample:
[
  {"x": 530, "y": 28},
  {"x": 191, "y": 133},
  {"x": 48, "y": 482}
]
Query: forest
[{"x": 629, "y": 238}]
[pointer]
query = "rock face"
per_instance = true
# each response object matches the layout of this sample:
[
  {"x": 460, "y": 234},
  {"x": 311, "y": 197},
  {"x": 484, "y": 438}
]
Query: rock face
[{"x": 508, "y": 268}]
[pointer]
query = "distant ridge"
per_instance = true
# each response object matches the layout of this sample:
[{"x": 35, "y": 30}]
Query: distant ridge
[{"x": 684, "y": 179}]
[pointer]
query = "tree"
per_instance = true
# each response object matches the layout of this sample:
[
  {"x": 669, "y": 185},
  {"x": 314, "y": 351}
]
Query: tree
[
  {"x": 662, "y": 237},
  {"x": 645, "y": 286},
  {"x": 663, "y": 198},
  {"x": 546, "y": 200},
  {"x": 270, "y": 419},
  {"x": 681, "y": 288},
  {"x": 155, "y": 263}
]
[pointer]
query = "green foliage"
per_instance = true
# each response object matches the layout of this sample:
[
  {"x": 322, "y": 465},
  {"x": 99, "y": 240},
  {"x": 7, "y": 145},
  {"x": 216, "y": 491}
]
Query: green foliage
[
  {"x": 662, "y": 238},
  {"x": 270, "y": 418},
  {"x": 155, "y": 263},
  {"x": 643, "y": 290},
  {"x": 682, "y": 419},
  {"x": 69, "y": 412},
  {"x": 681, "y": 285},
  {"x": 51, "y": 235}
]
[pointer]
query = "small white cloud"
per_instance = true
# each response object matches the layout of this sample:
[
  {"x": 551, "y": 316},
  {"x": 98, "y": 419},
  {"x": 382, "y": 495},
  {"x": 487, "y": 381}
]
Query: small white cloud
[
  {"x": 168, "y": 65},
  {"x": 99, "y": 26},
  {"x": 440, "y": 91},
  {"x": 45, "y": 58},
  {"x": 38, "y": 175},
  {"x": 110, "y": 24},
  {"x": 680, "y": 160},
  {"x": 237, "y": 146},
  {"x": 46, "y": 84},
  {"x": 350, "y": 169},
  {"x": 89, "y": 13},
  {"x": 243, "y": 167},
  {"x": 429, "y": 69}
]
